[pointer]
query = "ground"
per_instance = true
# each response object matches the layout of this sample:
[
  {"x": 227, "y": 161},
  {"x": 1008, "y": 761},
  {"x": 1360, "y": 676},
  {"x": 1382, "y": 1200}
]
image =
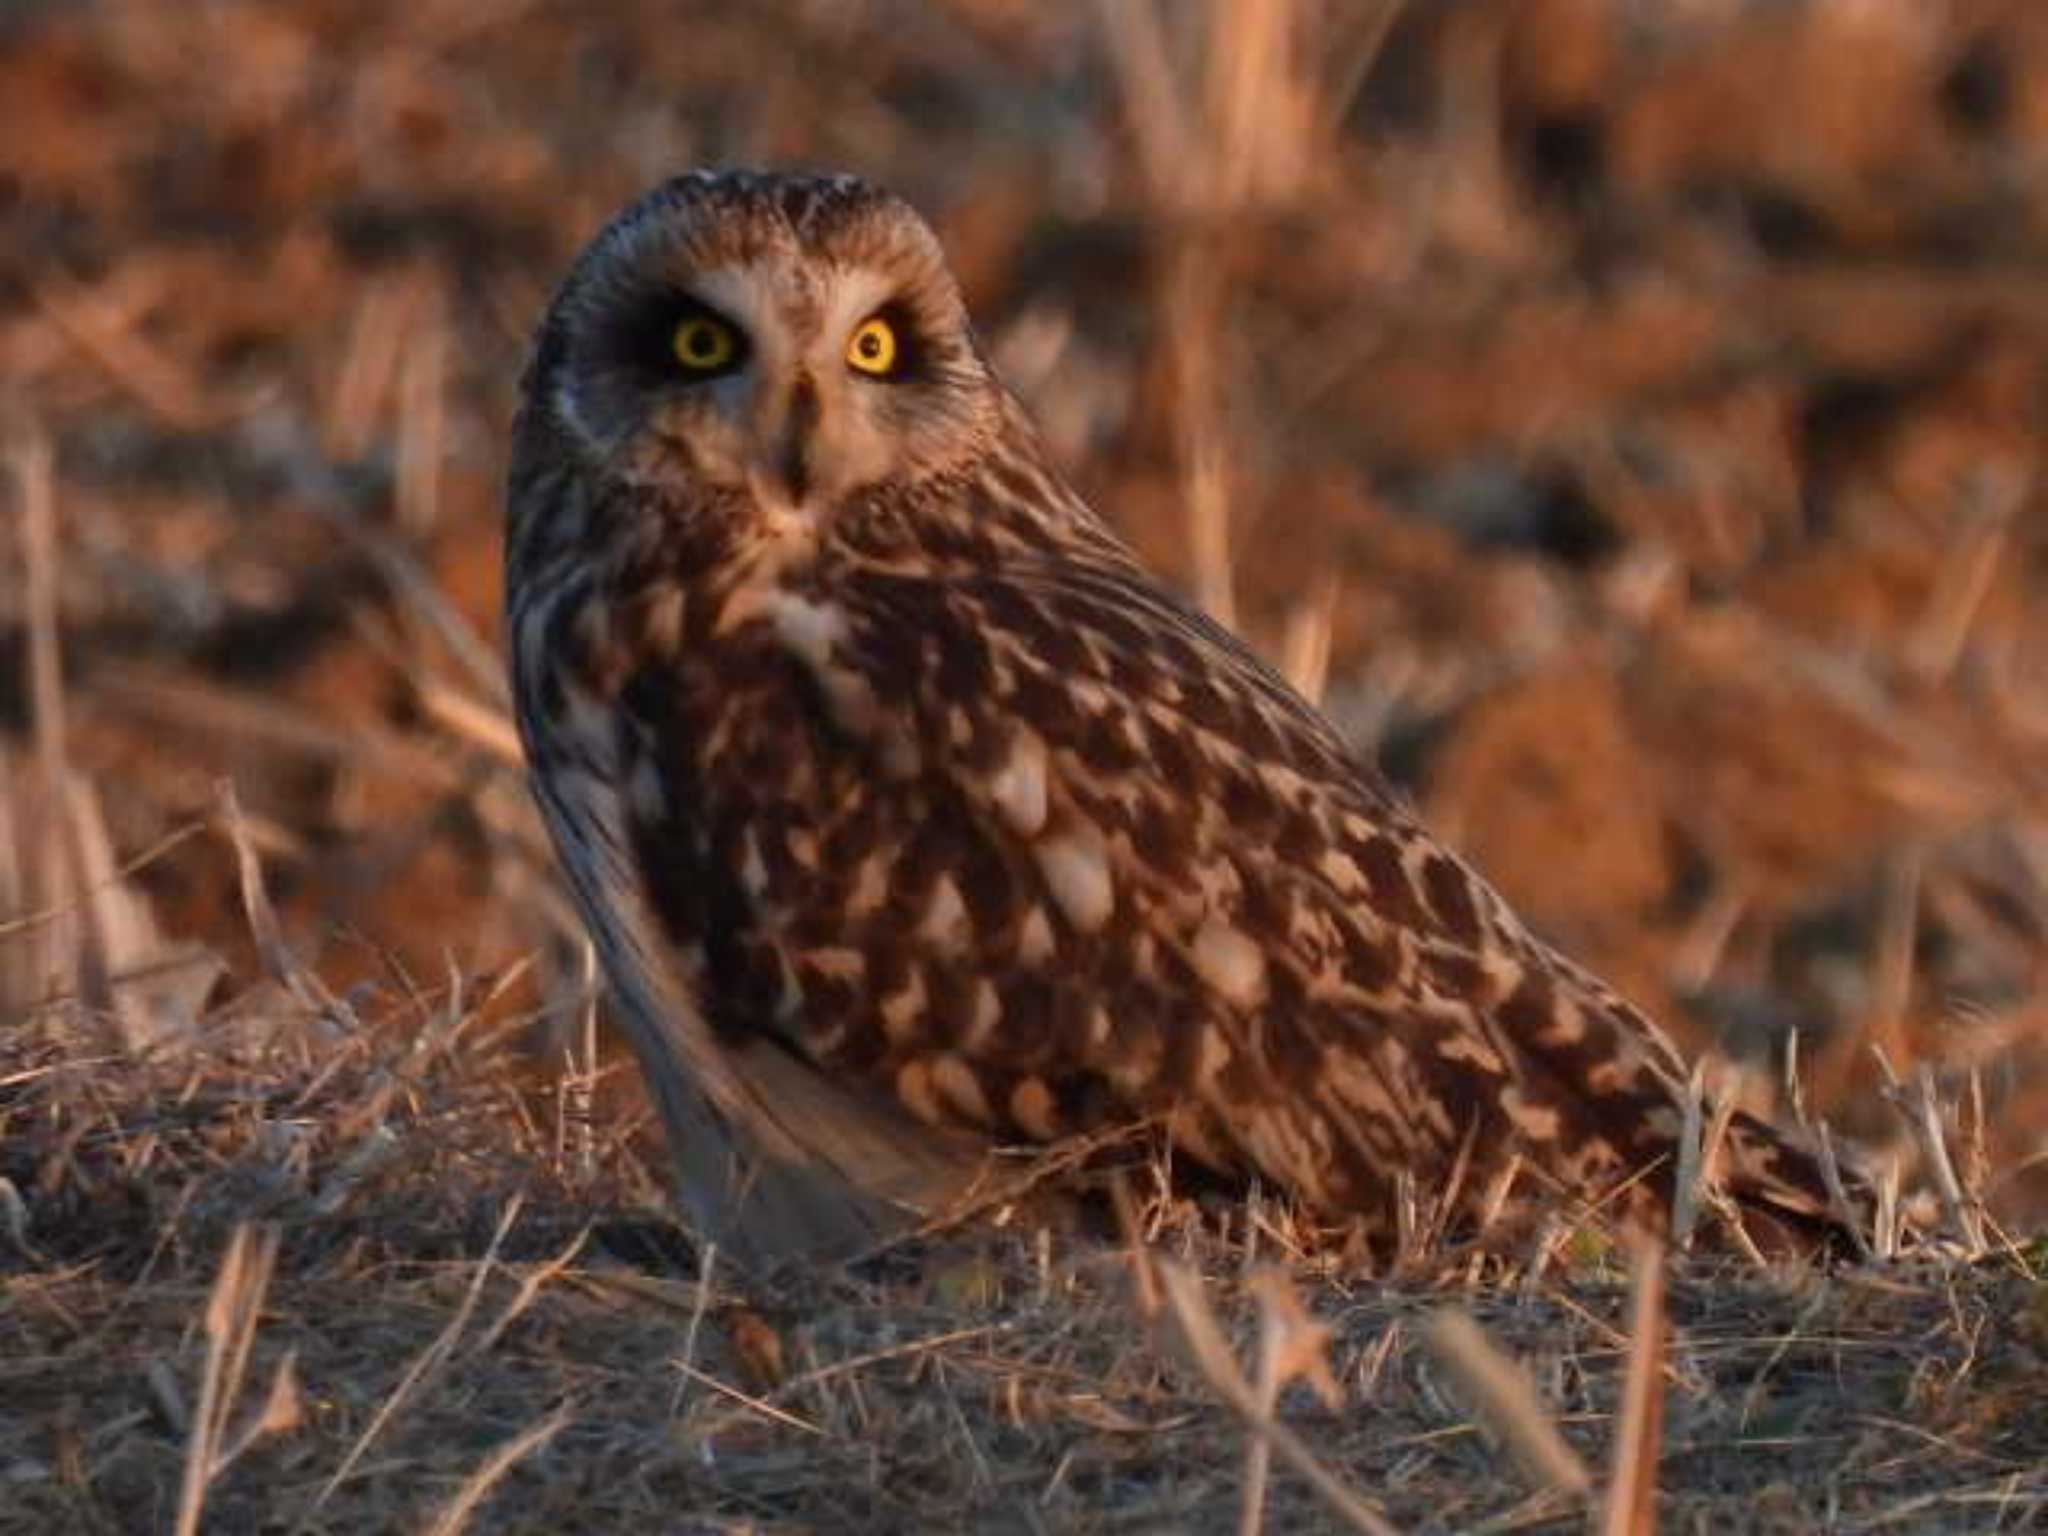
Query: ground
[{"x": 1625, "y": 416}]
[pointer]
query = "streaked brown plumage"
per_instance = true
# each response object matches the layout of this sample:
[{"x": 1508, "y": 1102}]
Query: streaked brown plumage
[{"x": 911, "y": 814}]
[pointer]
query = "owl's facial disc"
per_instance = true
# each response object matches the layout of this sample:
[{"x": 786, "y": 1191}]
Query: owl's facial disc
[
  {"x": 765, "y": 348},
  {"x": 800, "y": 383}
]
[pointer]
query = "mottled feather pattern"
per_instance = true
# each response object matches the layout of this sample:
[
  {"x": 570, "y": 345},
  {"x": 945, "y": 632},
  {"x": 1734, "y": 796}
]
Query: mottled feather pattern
[{"x": 933, "y": 793}]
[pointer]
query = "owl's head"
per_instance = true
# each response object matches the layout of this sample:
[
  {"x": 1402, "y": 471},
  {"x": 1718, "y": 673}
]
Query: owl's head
[{"x": 786, "y": 339}]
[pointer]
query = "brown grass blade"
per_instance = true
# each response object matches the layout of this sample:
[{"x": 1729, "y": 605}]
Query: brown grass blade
[
  {"x": 481, "y": 723},
  {"x": 282, "y": 1410},
  {"x": 1923, "y": 1112},
  {"x": 311, "y": 993},
  {"x": 1201, "y": 1340},
  {"x": 1151, "y": 99},
  {"x": 108, "y": 335},
  {"x": 1291, "y": 1345},
  {"x": 502, "y": 1458},
  {"x": 232, "y": 1312},
  {"x": 1630, "y": 1508},
  {"x": 1505, "y": 1400},
  {"x": 30, "y": 463},
  {"x": 1305, "y": 650},
  {"x": 422, "y": 421},
  {"x": 423, "y": 1367},
  {"x": 1686, "y": 1183}
]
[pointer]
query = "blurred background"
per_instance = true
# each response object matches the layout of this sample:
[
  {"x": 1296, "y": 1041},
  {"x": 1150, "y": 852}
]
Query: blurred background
[{"x": 1622, "y": 412}]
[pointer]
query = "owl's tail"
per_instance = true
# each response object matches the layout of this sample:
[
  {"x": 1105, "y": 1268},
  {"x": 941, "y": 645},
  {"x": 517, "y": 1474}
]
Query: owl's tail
[
  {"x": 1761, "y": 1179},
  {"x": 1780, "y": 1193}
]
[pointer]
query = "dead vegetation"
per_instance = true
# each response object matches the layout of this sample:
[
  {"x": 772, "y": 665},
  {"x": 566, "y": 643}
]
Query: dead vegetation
[
  {"x": 1627, "y": 418},
  {"x": 314, "y": 1276}
]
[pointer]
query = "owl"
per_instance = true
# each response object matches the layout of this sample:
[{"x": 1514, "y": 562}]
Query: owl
[{"x": 913, "y": 818}]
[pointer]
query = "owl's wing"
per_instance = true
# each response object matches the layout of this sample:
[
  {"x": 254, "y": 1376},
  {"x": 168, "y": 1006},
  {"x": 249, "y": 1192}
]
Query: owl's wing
[
  {"x": 775, "y": 1162},
  {"x": 1337, "y": 995}
]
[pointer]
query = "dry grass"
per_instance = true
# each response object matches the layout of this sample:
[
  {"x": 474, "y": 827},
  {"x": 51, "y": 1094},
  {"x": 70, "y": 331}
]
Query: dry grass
[
  {"x": 1627, "y": 422},
  {"x": 440, "y": 1315}
]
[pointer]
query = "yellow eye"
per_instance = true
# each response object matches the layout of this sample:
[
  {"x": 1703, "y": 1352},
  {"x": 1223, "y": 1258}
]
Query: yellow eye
[
  {"x": 872, "y": 347},
  {"x": 704, "y": 345}
]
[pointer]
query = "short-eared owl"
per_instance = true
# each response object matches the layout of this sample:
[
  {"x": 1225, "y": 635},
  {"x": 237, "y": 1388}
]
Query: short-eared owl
[{"x": 911, "y": 815}]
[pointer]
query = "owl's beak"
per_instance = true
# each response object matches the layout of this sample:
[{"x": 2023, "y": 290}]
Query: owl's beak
[{"x": 785, "y": 429}]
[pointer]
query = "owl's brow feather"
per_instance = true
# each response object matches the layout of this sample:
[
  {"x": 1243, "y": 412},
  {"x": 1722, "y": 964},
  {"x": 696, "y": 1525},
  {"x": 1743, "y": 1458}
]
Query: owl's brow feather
[{"x": 736, "y": 218}]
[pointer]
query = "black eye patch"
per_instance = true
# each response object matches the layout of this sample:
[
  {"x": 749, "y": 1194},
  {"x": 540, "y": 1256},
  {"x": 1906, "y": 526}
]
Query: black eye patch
[
  {"x": 644, "y": 340},
  {"x": 913, "y": 347}
]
